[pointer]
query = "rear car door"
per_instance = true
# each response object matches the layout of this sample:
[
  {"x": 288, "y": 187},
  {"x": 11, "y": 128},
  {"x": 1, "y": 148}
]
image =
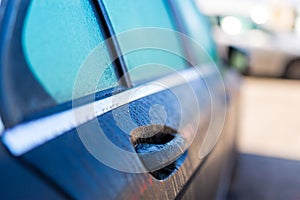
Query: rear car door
[{"x": 86, "y": 85}]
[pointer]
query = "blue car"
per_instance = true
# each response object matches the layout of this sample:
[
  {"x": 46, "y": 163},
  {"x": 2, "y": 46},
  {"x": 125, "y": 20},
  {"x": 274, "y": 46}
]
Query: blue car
[{"x": 103, "y": 99}]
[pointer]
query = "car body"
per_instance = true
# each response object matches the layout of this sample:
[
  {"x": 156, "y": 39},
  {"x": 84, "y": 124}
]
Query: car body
[{"x": 98, "y": 101}]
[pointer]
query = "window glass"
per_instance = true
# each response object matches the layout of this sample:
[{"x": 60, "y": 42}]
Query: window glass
[
  {"x": 128, "y": 15},
  {"x": 58, "y": 37},
  {"x": 198, "y": 28}
]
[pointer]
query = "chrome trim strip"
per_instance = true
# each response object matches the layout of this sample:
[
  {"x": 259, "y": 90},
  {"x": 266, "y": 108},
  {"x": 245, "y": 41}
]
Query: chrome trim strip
[
  {"x": 25, "y": 137},
  {"x": 1, "y": 125}
]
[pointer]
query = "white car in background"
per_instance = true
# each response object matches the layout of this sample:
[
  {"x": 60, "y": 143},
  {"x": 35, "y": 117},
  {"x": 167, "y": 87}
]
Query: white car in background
[{"x": 268, "y": 34}]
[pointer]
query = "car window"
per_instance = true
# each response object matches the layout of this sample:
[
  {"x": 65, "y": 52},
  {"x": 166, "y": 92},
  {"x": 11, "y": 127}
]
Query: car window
[
  {"x": 128, "y": 15},
  {"x": 58, "y": 36},
  {"x": 198, "y": 29}
]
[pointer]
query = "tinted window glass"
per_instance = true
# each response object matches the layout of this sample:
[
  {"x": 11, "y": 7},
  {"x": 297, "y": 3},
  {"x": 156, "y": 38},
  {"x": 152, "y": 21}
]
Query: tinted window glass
[
  {"x": 126, "y": 15},
  {"x": 198, "y": 28},
  {"x": 58, "y": 36}
]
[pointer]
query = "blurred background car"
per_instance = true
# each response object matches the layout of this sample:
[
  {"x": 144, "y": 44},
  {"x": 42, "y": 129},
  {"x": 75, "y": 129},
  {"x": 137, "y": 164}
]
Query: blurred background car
[{"x": 268, "y": 31}]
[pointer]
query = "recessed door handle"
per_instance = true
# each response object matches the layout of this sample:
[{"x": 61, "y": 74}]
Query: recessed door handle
[{"x": 158, "y": 149}]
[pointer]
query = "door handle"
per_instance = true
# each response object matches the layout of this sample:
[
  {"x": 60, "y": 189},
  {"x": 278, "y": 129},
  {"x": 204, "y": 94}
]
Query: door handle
[{"x": 158, "y": 146}]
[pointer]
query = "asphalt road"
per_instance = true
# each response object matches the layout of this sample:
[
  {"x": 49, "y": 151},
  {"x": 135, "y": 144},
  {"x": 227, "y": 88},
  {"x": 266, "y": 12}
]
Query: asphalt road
[{"x": 268, "y": 165}]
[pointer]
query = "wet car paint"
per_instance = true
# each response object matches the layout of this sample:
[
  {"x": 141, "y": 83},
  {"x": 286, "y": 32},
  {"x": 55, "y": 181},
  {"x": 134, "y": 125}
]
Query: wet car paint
[
  {"x": 67, "y": 166},
  {"x": 91, "y": 178}
]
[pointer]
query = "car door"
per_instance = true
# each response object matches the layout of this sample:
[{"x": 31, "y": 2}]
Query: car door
[{"x": 103, "y": 98}]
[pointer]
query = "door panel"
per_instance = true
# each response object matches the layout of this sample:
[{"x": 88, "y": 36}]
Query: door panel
[
  {"x": 18, "y": 182},
  {"x": 212, "y": 179},
  {"x": 66, "y": 159}
]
